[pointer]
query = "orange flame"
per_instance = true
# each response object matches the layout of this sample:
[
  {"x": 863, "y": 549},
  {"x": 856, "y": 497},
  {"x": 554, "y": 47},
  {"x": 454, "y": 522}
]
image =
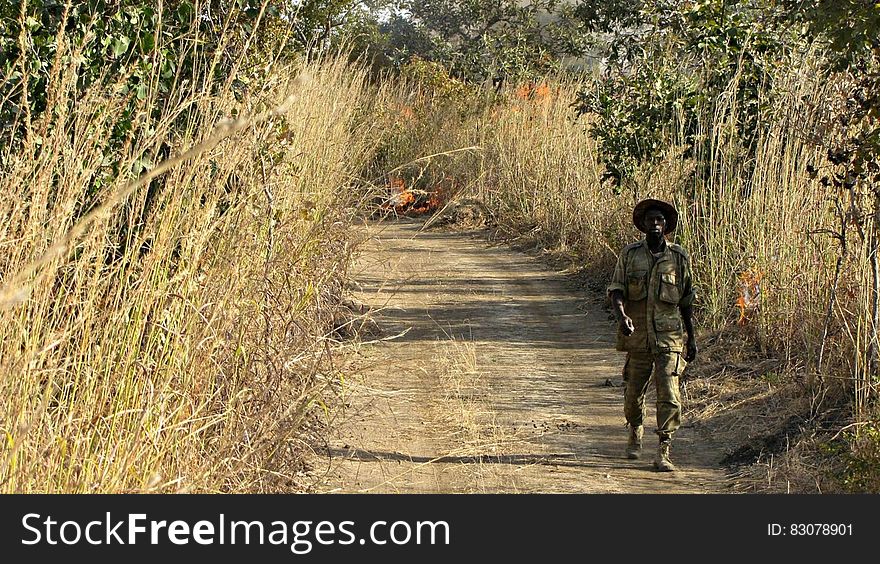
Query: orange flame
[
  {"x": 531, "y": 91},
  {"x": 523, "y": 91},
  {"x": 749, "y": 296},
  {"x": 409, "y": 202},
  {"x": 541, "y": 91}
]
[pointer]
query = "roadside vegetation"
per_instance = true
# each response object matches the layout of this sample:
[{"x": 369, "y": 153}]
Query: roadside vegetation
[
  {"x": 180, "y": 179},
  {"x": 172, "y": 251}
]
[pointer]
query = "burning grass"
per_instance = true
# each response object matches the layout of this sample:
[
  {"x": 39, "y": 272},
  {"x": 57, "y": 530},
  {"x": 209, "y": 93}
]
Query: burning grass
[{"x": 410, "y": 201}]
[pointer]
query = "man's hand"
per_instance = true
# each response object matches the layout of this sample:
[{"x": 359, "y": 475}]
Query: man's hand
[
  {"x": 690, "y": 350},
  {"x": 623, "y": 320},
  {"x": 626, "y": 325}
]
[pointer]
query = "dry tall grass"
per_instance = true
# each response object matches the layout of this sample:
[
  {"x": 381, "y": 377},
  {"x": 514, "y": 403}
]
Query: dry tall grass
[{"x": 176, "y": 338}]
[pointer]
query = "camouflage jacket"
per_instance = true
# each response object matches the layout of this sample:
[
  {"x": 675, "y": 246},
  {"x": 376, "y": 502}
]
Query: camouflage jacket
[{"x": 653, "y": 291}]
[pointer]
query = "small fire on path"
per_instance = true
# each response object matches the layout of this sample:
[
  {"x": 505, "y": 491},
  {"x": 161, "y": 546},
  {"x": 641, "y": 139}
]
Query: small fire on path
[{"x": 410, "y": 202}]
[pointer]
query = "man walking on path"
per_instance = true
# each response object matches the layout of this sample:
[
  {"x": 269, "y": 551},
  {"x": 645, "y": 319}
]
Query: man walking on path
[{"x": 652, "y": 295}]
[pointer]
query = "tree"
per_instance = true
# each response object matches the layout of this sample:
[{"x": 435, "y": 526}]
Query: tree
[
  {"x": 669, "y": 60},
  {"x": 315, "y": 24},
  {"x": 478, "y": 40},
  {"x": 100, "y": 42}
]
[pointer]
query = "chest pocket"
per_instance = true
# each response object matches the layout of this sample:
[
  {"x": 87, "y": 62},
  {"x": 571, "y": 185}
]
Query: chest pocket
[
  {"x": 636, "y": 286},
  {"x": 669, "y": 288}
]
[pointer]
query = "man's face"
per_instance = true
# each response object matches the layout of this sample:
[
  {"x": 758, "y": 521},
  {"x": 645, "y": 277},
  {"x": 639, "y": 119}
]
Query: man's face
[{"x": 655, "y": 223}]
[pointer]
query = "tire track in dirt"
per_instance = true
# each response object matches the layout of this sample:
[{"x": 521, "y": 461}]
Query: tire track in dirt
[{"x": 497, "y": 382}]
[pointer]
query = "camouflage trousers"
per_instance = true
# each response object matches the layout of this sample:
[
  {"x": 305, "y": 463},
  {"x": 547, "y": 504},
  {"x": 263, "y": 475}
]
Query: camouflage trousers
[{"x": 666, "y": 367}]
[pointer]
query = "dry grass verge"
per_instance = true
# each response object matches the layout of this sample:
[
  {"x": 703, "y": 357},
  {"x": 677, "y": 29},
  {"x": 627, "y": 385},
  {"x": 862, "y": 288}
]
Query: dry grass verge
[{"x": 178, "y": 336}]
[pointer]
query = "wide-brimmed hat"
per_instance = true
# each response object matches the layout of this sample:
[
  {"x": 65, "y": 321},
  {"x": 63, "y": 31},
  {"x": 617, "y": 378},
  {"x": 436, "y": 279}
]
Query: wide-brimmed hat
[{"x": 669, "y": 212}]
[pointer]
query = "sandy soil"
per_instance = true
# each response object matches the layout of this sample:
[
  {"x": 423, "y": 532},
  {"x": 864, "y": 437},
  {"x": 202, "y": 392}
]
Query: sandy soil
[{"x": 490, "y": 373}]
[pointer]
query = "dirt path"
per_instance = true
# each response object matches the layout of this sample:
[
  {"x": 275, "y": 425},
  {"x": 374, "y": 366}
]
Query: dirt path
[{"x": 503, "y": 379}]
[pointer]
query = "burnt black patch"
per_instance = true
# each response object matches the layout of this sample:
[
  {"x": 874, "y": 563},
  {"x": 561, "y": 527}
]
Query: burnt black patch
[{"x": 759, "y": 447}]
